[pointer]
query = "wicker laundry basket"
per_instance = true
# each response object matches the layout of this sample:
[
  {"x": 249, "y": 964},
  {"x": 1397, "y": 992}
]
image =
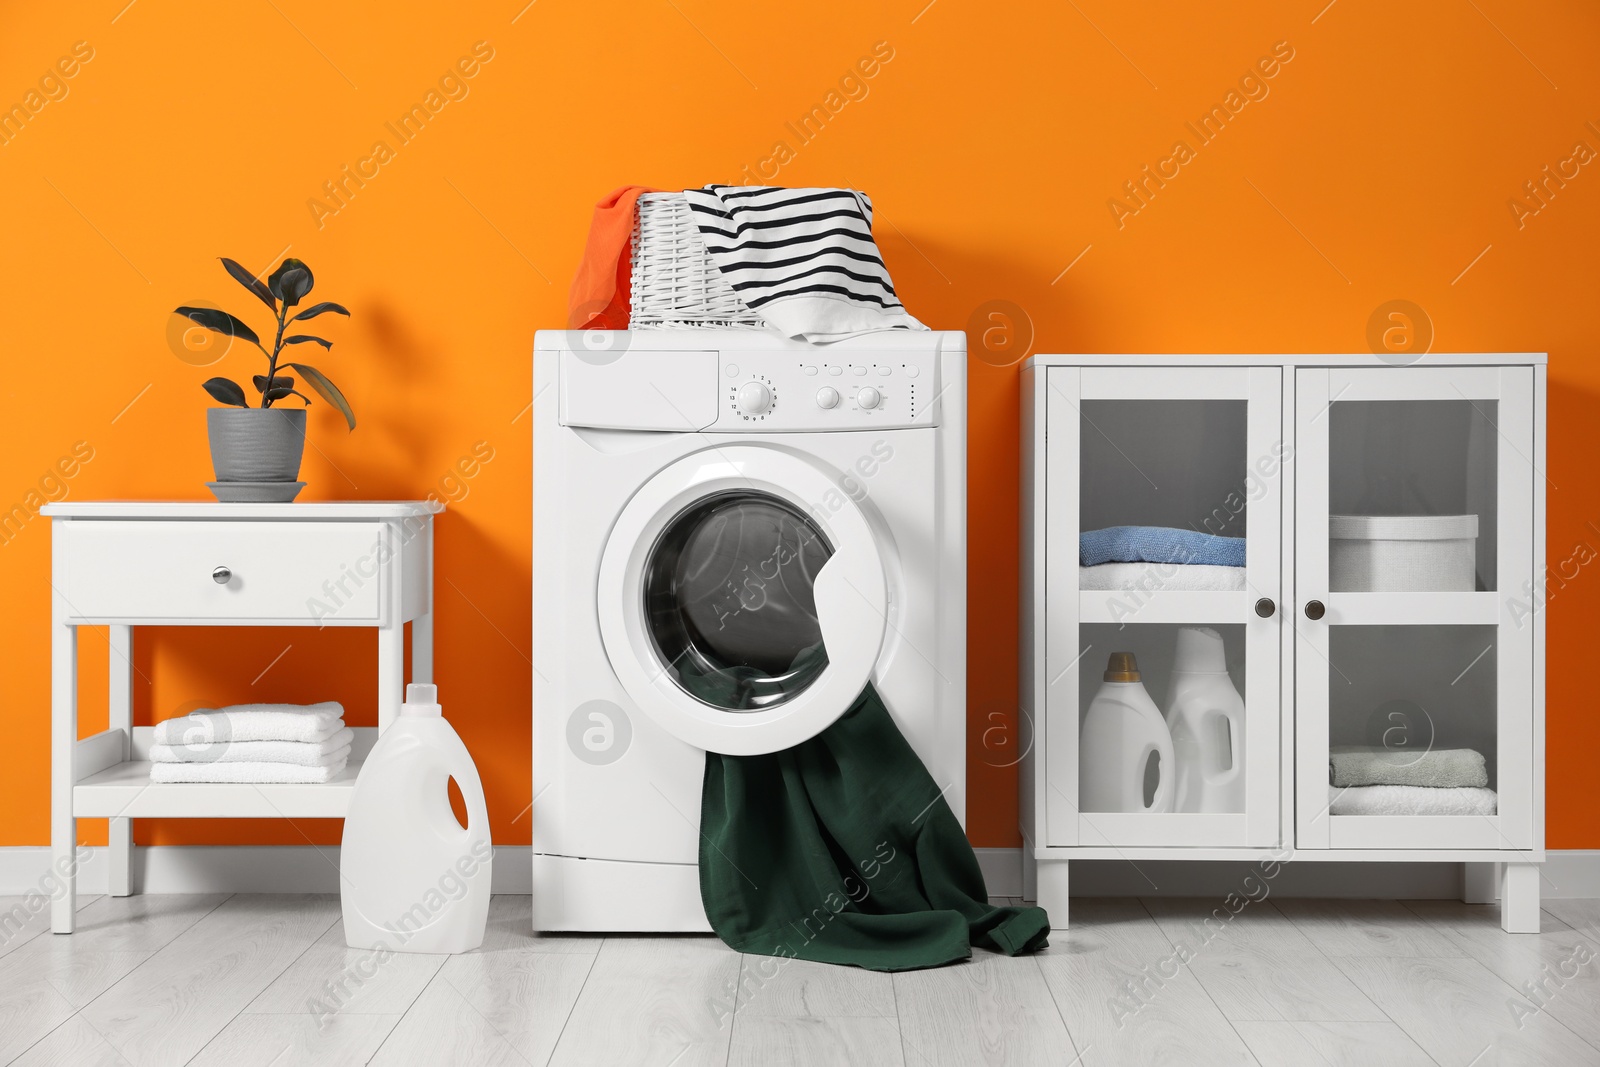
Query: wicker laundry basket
[{"x": 674, "y": 281}]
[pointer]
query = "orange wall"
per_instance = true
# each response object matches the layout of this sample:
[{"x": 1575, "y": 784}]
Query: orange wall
[{"x": 1378, "y": 166}]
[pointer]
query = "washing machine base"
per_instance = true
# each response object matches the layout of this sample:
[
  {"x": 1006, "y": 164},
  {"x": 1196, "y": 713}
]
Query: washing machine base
[{"x": 615, "y": 896}]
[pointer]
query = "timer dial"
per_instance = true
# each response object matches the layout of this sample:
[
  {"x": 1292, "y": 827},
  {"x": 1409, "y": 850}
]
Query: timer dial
[{"x": 754, "y": 397}]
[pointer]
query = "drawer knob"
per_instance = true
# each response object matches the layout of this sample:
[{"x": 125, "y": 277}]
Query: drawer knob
[
  {"x": 221, "y": 575},
  {"x": 1315, "y": 610},
  {"x": 1265, "y": 607}
]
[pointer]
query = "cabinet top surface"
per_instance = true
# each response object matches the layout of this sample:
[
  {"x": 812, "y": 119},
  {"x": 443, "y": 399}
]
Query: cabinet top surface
[
  {"x": 205, "y": 509},
  {"x": 1342, "y": 359}
]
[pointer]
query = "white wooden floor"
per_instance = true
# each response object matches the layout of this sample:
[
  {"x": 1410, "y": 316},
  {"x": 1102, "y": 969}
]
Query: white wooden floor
[{"x": 237, "y": 980}]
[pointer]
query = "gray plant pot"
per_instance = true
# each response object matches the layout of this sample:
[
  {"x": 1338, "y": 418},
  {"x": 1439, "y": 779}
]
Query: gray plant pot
[{"x": 256, "y": 444}]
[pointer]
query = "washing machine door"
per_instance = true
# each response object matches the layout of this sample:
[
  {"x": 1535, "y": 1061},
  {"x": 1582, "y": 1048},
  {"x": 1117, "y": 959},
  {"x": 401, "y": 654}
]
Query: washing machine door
[{"x": 742, "y": 599}]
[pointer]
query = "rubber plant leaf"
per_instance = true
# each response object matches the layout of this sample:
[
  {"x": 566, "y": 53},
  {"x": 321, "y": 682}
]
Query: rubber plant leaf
[
  {"x": 225, "y": 391},
  {"x": 219, "y": 321},
  {"x": 326, "y": 389},
  {"x": 317, "y": 309},
  {"x": 250, "y": 282},
  {"x": 302, "y": 338},
  {"x": 279, "y": 381},
  {"x": 288, "y": 286}
]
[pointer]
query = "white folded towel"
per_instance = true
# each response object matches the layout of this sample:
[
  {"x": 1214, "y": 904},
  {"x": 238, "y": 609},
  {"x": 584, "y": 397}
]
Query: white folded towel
[
  {"x": 1411, "y": 800},
  {"x": 254, "y": 722},
  {"x": 249, "y": 773},
  {"x": 301, "y": 753},
  {"x": 1155, "y": 577}
]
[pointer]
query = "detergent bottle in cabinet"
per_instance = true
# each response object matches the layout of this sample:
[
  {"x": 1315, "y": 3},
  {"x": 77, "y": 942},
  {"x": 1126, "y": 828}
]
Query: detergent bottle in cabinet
[
  {"x": 1206, "y": 717},
  {"x": 1124, "y": 751},
  {"x": 411, "y": 877}
]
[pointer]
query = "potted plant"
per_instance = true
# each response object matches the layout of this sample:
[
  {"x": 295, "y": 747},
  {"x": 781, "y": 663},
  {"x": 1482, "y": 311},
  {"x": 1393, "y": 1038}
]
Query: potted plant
[{"x": 256, "y": 451}]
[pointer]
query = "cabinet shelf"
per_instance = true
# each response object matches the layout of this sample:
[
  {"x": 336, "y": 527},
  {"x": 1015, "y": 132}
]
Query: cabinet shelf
[{"x": 1171, "y": 605}]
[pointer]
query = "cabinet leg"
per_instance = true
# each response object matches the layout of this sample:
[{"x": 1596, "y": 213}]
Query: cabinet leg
[
  {"x": 1030, "y": 873},
  {"x": 63, "y": 740},
  {"x": 1051, "y": 881},
  {"x": 1519, "y": 898},
  {"x": 1480, "y": 883},
  {"x": 119, "y": 832}
]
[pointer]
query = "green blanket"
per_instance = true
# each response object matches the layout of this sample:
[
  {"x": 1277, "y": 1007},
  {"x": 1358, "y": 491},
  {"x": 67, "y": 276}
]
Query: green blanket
[{"x": 843, "y": 850}]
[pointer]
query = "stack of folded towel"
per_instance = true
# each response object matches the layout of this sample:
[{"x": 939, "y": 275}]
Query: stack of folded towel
[
  {"x": 1366, "y": 780},
  {"x": 253, "y": 743},
  {"x": 1150, "y": 558}
]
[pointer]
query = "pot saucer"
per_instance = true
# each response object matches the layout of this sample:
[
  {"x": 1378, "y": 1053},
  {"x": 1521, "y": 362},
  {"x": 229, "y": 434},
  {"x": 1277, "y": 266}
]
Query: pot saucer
[{"x": 255, "y": 492}]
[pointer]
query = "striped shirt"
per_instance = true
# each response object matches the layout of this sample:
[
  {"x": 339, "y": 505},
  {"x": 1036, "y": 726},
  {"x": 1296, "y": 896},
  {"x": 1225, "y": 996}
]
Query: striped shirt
[{"x": 804, "y": 259}]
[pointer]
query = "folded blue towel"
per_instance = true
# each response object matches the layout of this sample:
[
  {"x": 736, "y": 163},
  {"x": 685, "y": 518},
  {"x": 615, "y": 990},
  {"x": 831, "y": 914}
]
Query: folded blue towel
[{"x": 1158, "y": 544}]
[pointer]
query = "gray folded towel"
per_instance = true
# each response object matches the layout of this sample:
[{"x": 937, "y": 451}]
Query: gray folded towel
[{"x": 1441, "y": 768}]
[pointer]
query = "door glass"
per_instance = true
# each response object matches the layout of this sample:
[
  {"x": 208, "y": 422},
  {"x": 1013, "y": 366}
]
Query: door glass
[
  {"x": 1163, "y": 492},
  {"x": 730, "y": 602},
  {"x": 1412, "y": 720},
  {"x": 1411, "y": 495},
  {"x": 1172, "y": 738}
]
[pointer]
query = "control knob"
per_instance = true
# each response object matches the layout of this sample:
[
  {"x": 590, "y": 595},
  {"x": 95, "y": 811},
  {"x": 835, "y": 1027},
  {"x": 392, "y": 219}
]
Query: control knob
[
  {"x": 869, "y": 398},
  {"x": 754, "y": 398},
  {"x": 827, "y": 397}
]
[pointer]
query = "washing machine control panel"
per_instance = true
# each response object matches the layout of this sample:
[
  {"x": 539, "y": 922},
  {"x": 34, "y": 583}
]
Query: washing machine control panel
[
  {"x": 767, "y": 391},
  {"x": 608, "y": 384}
]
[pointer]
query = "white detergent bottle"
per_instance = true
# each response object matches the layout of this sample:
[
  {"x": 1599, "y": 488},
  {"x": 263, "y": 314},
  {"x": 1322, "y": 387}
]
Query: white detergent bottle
[
  {"x": 1206, "y": 716},
  {"x": 1124, "y": 752},
  {"x": 411, "y": 878}
]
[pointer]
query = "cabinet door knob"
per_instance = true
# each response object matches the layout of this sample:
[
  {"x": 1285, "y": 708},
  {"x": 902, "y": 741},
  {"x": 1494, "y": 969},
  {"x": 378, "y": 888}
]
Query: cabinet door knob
[
  {"x": 1265, "y": 607},
  {"x": 221, "y": 575},
  {"x": 1315, "y": 610}
]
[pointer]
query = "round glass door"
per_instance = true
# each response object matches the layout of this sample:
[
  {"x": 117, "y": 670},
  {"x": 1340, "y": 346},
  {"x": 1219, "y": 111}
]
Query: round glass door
[
  {"x": 730, "y": 600},
  {"x": 742, "y": 599}
]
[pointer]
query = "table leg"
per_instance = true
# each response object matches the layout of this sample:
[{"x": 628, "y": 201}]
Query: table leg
[
  {"x": 422, "y": 625},
  {"x": 63, "y": 740},
  {"x": 119, "y": 832},
  {"x": 391, "y": 673}
]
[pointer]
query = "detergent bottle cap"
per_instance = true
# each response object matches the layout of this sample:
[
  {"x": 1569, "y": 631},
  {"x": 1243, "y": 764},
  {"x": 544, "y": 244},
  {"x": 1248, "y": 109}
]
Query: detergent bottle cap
[
  {"x": 422, "y": 698},
  {"x": 1122, "y": 667}
]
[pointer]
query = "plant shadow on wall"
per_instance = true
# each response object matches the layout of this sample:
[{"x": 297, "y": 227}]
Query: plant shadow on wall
[
  {"x": 391, "y": 467},
  {"x": 256, "y": 452}
]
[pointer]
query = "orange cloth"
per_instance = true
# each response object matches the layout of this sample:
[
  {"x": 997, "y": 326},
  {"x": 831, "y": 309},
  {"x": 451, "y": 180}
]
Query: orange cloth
[{"x": 603, "y": 286}]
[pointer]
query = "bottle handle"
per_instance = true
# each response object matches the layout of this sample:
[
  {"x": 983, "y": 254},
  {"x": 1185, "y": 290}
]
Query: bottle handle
[
  {"x": 477, "y": 804},
  {"x": 1233, "y": 715},
  {"x": 1162, "y": 800}
]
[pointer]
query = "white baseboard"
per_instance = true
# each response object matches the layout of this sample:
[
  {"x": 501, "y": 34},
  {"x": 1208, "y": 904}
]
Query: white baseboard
[
  {"x": 227, "y": 869},
  {"x": 306, "y": 869}
]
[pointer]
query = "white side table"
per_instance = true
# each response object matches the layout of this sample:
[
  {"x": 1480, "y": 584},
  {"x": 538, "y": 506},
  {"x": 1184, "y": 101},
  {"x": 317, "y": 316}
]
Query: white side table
[{"x": 127, "y": 564}]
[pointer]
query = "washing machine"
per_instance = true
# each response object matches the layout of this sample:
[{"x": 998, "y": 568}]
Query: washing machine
[{"x": 733, "y": 534}]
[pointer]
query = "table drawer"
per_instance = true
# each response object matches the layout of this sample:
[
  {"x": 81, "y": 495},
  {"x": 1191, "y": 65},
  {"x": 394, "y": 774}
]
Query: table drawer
[{"x": 284, "y": 572}]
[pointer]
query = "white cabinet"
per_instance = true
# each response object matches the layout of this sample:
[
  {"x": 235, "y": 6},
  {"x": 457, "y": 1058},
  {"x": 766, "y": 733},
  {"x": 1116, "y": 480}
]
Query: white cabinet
[{"x": 1374, "y": 576}]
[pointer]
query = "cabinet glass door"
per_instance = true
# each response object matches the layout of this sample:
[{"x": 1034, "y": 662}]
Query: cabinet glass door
[
  {"x": 1163, "y": 571},
  {"x": 1413, "y": 615}
]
